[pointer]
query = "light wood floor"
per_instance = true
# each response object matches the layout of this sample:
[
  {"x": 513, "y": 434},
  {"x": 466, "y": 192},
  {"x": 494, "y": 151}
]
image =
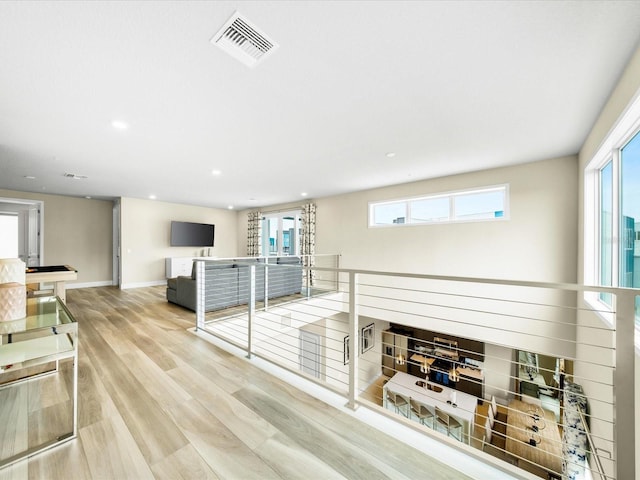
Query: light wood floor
[{"x": 156, "y": 401}]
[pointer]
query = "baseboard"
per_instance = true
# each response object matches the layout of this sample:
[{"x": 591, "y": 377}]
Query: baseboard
[
  {"x": 71, "y": 286},
  {"x": 155, "y": 283}
]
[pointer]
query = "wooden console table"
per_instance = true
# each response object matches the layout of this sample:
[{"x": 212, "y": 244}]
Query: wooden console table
[
  {"x": 541, "y": 447},
  {"x": 59, "y": 274}
]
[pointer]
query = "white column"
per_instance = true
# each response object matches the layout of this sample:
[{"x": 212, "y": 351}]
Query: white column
[
  {"x": 252, "y": 306},
  {"x": 353, "y": 339},
  {"x": 200, "y": 294},
  {"x": 624, "y": 386}
]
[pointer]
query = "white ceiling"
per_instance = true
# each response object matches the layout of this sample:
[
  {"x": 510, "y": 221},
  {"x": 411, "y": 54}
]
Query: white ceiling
[{"x": 449, "y": 87}]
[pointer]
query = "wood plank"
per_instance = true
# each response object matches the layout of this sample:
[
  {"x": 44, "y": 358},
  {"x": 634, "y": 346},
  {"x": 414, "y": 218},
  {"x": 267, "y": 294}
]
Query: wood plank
[
  {"x": 46, "y": 424},
  {"x": 225, "y": 453},
  {"x": 406, "y": 461},
  {"x": 156, "y": 382},
  {"x": 17, "y": 471},
  {"x": 66, "y": 461},
  {"x": 112, "y": 452},
  {"x": 14, "y": 420},
  {"x": 155, "y": 434},
  {"x": 302, "y": 402},
  {"x": 243, "y": 422},
  {"x": 293, "y": 462},
  {"x": 51, "y": 389},
  {"x": 328, "y": 447},
  {"x": 185, "y": 464}
]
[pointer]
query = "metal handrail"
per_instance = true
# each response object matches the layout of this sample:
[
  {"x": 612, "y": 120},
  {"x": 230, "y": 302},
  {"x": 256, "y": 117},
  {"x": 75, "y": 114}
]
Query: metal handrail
[
  {"x": 367, "y": 304},
  {"x": 600, "y": 468}
]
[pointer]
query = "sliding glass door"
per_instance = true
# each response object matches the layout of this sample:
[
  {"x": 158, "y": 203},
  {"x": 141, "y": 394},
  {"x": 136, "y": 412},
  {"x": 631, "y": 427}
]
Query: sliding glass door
[{"x": 281, "y": 234}]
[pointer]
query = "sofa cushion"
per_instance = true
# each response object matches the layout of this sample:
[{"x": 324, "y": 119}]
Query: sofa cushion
[
  {"x": 288, "y": 260},
  {"x": 285, "y": 277},
  {"x": 172, "y": 295}
]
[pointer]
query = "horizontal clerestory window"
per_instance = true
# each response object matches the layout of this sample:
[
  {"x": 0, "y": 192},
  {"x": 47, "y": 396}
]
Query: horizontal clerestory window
[{"x": 478, "y": 205}]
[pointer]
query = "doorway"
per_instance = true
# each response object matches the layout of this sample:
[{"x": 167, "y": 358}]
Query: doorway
[
  {"x": 310, "y": 353},
  {"x": 20, "y": 232},
  {"x": 281, "y": 233},
  {"x": 116, "y": 260}
]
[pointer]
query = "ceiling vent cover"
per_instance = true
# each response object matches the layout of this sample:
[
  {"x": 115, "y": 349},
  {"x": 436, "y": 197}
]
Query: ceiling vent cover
[{"x": 242, "y": 40}]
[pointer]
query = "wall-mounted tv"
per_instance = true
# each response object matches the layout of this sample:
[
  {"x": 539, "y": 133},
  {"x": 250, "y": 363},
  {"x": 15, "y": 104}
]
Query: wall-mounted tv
[{"x": 187, "y": 234}]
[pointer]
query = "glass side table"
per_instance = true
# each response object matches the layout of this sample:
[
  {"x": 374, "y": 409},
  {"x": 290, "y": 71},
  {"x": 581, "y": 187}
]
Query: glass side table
[{"x": 38, "y": 392}]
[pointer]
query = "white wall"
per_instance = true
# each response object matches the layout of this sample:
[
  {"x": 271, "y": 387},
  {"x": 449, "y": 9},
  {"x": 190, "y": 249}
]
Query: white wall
[
  {"x": 497, "y": 369},
  {"x": 369, "y": 363},
  {"x": 145, "y": 233},
  {"x": 537, "y": 243},
  {"x": 77, "y": 232}
]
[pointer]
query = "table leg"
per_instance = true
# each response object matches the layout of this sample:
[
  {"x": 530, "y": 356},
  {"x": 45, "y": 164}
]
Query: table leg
[{"x": 59, "y": 290}]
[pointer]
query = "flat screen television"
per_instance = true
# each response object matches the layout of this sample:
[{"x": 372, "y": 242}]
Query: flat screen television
[{"x": 187, "y": 234}]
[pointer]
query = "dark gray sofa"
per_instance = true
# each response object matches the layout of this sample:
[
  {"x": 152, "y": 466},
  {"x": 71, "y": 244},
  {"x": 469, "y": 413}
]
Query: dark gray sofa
[{"x": 227, "y": 282}]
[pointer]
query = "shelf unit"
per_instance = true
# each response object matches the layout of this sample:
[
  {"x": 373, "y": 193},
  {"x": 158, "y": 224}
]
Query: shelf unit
[{"x": 412, "y": 342}]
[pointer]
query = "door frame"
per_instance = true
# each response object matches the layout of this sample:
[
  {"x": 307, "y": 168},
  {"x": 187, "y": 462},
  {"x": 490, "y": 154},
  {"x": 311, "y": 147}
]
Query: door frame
[
  {"x": 22, "y": 205},
  {"x": 307, "y": 337}
]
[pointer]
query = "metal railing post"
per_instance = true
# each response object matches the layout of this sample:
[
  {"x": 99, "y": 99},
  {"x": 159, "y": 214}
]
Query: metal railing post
[
  {"x": 353, "y": 339},
  {"x": 308, "y": 262},
  {"x": 266, "y": 285},
  {"x": 252, "y": 307},
  {"x": 596, "y": 458},
  {"x": 200, "y": 294},
  {"x": 624, "y": 386}
]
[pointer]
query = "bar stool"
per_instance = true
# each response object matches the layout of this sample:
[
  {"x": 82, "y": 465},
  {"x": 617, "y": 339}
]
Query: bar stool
[
  {"x": 450, "y": 423},
  {"x": 398, "y": 402},
  {"x": 421, "y": 411}
]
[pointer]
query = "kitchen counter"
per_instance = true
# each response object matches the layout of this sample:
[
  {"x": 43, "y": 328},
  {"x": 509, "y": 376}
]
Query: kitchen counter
[{"x": 465, "y": 404}]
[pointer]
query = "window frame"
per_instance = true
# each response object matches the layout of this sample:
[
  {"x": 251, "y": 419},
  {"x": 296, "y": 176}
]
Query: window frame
[
  {"x": 451, "y": 196},
  {"x": 279, "y": 216},
  {"x": 623, "y": 132}
]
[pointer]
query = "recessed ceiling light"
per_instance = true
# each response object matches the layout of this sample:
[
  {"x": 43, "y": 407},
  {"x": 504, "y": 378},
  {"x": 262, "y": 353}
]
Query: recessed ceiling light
[
  {"x": 29, "y": 177},
  {"x": 230, "y": 207},
  {"x": 304, "y": 194},
  {"x": 391, "y": 154},
  {"x": 152, "y": 197},
  {"x": 216, "y": 172},
  {"x": 120, "y": 125},
  {"x": 88, "y": 197}
]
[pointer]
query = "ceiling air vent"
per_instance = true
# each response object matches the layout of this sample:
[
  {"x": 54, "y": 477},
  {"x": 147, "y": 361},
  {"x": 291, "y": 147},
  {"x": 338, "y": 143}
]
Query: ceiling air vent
[
  {"x": 75, "y": 176},
  {"x": 240, "y": 39}
]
